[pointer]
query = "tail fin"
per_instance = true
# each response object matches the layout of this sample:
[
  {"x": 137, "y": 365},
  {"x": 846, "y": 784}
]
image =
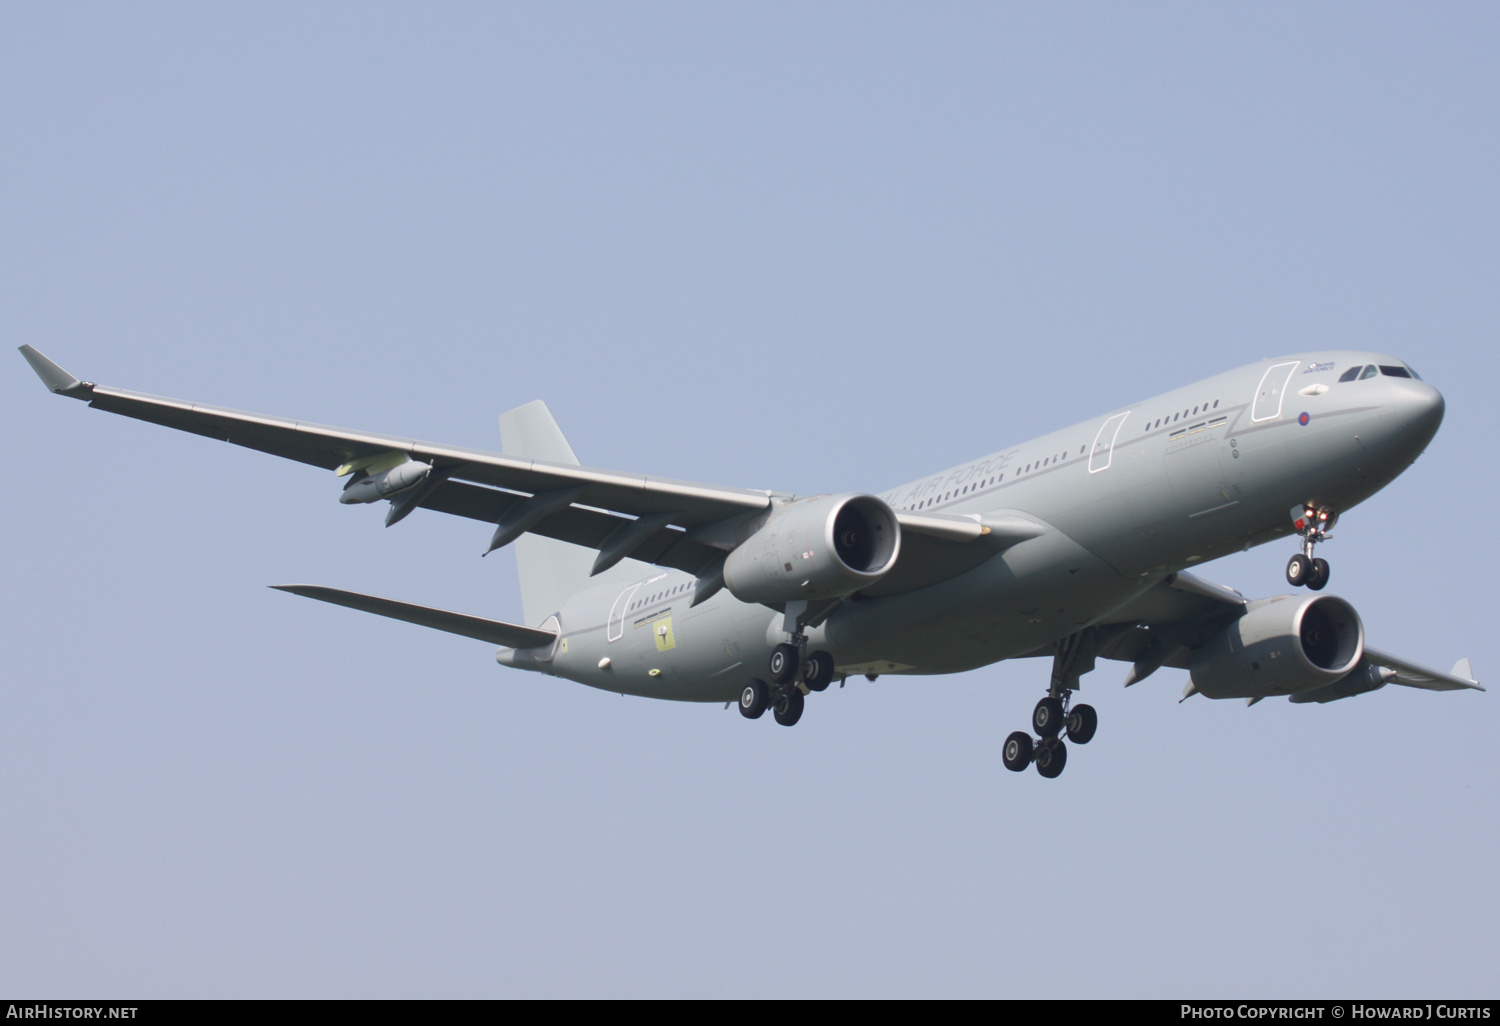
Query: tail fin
[{"x": 550, "y": 570}]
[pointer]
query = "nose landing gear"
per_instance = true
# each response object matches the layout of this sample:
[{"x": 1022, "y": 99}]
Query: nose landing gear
[{"x": 1313, "y": 525}]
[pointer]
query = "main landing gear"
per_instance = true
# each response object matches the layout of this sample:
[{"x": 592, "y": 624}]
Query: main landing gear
[
  {"x": 1054, "y": 716},
  {"x": 1302, "y": 570},
  {"x": 792, "y": 679}
]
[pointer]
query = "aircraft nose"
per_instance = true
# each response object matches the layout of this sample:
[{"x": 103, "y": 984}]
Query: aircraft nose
[
  {"x": 1428, "y": 406},
  {"x": 1421, "y": 409}
]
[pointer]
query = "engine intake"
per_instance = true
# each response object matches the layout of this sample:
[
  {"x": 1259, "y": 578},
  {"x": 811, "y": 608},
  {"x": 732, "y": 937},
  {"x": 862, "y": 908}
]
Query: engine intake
[
  {"x": 825, "y": 547},
  {"x": 1281, "y": 646}
]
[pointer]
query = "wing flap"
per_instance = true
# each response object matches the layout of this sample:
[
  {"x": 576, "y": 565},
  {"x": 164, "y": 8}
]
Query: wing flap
[
  {"x": 496, "y": 632},
  {"x": 589, "y": 528}
]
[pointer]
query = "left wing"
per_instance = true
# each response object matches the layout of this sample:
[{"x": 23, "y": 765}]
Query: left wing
[
  {"x": 1162, "y": 627},
  {"x": 1414, "y": 675}
]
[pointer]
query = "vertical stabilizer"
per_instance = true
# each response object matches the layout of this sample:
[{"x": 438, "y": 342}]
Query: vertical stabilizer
[{"x": 550, "y": 570}]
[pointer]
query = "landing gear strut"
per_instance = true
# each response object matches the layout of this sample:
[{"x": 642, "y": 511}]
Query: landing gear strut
[
  {"x": 1054, "y": 716},
  {"x": 794, "y": 673},
  {"x": 1313, "y": 525}
]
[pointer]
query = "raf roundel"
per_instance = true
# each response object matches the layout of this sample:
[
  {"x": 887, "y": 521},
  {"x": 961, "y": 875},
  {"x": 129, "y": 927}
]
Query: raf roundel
[{"x": 1303, "y": 420}]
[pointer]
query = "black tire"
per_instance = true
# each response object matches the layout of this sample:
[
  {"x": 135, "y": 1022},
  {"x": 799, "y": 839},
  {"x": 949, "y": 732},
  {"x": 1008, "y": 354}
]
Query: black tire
[
  {"x": 817, "y": 671},
  {"x": 788, "y": 708},
  {"x": 1047, "y": 717},
  {"x": 1082, "y": 722},
  {"x": 1318, "y": 576},
  {"x": 1017, "y": 751},
  {"x": 754, "y": 698},
  {"x": 1050, "y": 759},
  {"x": 783, "y": 664},
  {"x": 1298, "y": 570}
]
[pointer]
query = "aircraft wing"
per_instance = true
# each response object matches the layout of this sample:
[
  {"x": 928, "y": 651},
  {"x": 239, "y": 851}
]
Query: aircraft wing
[
  {"x": 1163, "y": 626},
  {"x": 330, "y": 448},
  {"x": 647, "y": 518},
  {"x": 1414, "y": 675}
]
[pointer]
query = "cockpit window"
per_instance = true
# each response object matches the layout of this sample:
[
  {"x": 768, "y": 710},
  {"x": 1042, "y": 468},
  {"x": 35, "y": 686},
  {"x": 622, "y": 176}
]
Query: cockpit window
[
  {"x": 1414, "y": 372},
  {"x": 1395, "y": 372},
  {"x": 1350, "y": 374},
  {"x": 1370, "y": 372}
]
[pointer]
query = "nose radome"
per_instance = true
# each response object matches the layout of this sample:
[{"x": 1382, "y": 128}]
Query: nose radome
[{"x": 1422, "y": 406}]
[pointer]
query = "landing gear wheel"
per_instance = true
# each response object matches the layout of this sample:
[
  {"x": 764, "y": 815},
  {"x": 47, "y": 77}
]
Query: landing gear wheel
[
  {"x": 783, "y": 663},
  {"x": 754, "y": 699},
  {"x": 788, "y": 709},
  {"x": 1082, "y": 722},
  {"x": 1047, "y": 717},
  {"x": 1051, "y": 758},
  {"x": 1017, "y": 751},
  {"x": 1298, "y": 569},
  {"x": 1318, "y": 575},
  {"x": 817, "y": 671}
]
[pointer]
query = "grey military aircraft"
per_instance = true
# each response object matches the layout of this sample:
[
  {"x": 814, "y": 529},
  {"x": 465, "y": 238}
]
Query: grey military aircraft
[{"x": 1075, "y": 545}]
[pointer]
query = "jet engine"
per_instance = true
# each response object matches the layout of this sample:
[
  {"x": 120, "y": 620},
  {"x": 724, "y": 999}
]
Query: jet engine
[
  {"x": 1281, "y": 646},
  {"x": 824, "y": 547},
  {"x": 367, "y": 487}
]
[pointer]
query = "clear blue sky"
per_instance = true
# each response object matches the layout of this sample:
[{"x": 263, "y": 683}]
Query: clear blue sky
[{"x": 810, "y": 247}]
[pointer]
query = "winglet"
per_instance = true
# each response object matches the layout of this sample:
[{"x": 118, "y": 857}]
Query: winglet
[
  {"x": 1463, "y": 670},
  {"x": 55, "y": 378}
]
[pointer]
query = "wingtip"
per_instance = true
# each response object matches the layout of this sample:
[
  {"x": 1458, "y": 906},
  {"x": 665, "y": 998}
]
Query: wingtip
[
  {"x": 54, "y": 377},
  {"x": 1465, "y": 672}
]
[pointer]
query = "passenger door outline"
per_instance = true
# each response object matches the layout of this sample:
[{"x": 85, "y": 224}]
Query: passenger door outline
[
  {"x": 1269, "y": 389},
  {"x": 616, "y": 626},
  {"x": 1102, "y": 450}
]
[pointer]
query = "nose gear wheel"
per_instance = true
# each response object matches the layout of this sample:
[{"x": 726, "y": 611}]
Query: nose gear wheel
[{"x": 1312, "y": 524}]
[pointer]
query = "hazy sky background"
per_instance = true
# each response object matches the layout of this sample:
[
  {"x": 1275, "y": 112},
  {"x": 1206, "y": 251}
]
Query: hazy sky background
[{"x": 810, "y": 247}]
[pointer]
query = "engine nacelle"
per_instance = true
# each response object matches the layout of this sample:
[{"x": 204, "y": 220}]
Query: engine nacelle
[
  {"x": 819, "y": 548},
  {"x": 384, "y": 484},
  {"x": 1367, "y": 677},
  {"x": 1281, "y": 646}
]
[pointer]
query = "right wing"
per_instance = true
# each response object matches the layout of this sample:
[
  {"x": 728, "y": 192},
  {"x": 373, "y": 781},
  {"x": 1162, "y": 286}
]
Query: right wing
[{"x": 675, "y": 524}]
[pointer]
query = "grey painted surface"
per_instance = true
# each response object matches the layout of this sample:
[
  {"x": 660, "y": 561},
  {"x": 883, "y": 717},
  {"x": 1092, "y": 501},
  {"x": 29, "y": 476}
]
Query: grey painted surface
[{"x": 824, "y": 250}]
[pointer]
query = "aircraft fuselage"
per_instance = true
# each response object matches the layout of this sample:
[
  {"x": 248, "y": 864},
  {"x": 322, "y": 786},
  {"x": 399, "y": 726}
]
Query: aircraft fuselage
[{"x": 1125, "y": 499}]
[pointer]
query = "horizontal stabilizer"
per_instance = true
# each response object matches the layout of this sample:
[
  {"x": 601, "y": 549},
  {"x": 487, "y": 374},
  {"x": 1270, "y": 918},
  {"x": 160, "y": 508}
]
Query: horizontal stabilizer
[
  {"x": 1414, "y": 675},
  {"x": 496, "y": 632}
]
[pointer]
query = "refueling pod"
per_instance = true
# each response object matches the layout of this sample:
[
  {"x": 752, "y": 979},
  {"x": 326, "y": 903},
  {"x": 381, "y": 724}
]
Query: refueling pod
[
  {"x": 1281, "y": 646},
  {"x": 382, "y": 484},
  {"x": 824, "y": 547}
]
